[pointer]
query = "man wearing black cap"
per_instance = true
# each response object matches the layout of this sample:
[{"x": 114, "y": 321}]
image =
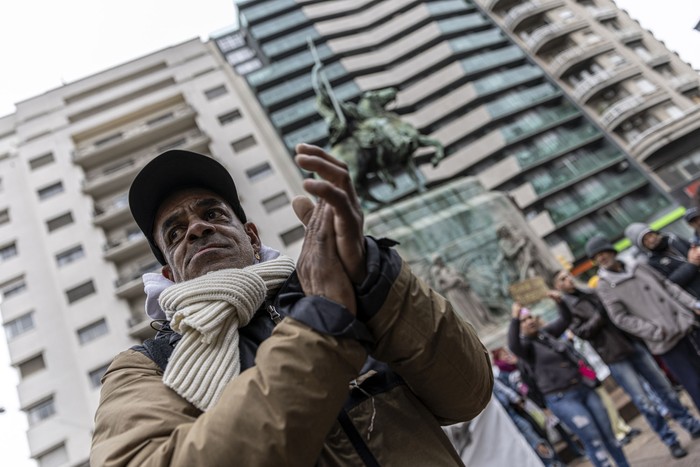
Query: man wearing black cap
[
  {"x": 261, "y": 362},
  {"x": 640, "y": 301}
]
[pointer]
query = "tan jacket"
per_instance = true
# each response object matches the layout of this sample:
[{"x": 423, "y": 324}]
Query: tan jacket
[{"x": 284, "y": 410}]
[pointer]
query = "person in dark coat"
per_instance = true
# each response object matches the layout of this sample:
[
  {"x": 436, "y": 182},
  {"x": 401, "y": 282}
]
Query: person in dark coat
[
  {"x": 628, "y": 360},
  {"x": 672, "y": 256},
  {"x": 692, "y": 217},
  {"x": 566, "y": 393}
]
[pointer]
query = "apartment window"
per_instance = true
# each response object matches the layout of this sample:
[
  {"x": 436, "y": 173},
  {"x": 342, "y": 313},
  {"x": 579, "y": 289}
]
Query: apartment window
[
  {"x": 645, "y": 86},
  {"x": 54, "y": 457},
  {"x": 41, "y": 161},
  {"x": 19, "y": 326},
  {"x": 60, "y": 221},
  {"x": 259, "y": 171},
  {"x": 4, "y": 216},
  {"x": 80, "y": 291},
  {"x": 31, "y": 366},
  {"x": 69, "y": 255},
  {"x": 51, "y": 190},
  {"x": 243, "y": 143},
  {"x": 229, "y": 117},
  {"x": 8, "y": 251},
  {"x": 275, "y": 202},
  {"x": 213, "y": 93},
  {"x": 293, "y": 235},
  {"x": 95, "y": 376},
  {"x": 674, "y": 112},
  {"x": 92, "y": 331},
  {"x": 109, "y": 139},
  {"x": 40, "y": 411},
  {"x": 13, "y": 287},
  {"x": 160, "y": 119}
]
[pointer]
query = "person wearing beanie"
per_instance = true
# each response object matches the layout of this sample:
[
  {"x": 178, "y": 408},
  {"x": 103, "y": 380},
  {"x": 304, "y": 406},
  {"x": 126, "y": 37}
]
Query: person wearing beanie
[
  {"x": 692, "y": 217},
  {"x": 628, "y": 360},
  {"x": 642, "y": 302},
  {"x": 675, "y": 258},
  {"x": 567, "y": 393},
  {"x": 343, "y": 357}
]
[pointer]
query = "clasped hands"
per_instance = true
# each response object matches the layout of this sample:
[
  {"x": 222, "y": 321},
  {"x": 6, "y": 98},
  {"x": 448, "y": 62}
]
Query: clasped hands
[{"x": 332, "y": 258}]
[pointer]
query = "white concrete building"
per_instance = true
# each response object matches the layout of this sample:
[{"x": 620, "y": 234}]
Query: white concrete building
[{"x": 71, "y": 257}]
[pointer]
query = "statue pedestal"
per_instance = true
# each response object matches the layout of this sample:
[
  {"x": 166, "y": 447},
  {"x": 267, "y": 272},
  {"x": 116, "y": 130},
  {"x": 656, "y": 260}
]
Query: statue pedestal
[{"x": 479, "y": 234}]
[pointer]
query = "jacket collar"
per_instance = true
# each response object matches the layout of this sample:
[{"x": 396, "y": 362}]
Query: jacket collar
[{"x": 614, "y": 278}]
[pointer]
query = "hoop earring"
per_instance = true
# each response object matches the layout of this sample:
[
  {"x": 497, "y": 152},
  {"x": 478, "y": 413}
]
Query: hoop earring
[{"x": 257, "y": 255}]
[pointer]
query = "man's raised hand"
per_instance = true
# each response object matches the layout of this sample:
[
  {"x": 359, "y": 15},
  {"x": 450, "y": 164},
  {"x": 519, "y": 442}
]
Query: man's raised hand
[{"x": 334, "y": 187}]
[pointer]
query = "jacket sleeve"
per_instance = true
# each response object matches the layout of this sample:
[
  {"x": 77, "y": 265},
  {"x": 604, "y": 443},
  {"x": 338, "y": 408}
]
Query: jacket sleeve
[
  {"x": 275, "y": 413},
  {"x": 623, "y": 319},
  {"x": 520, "y": 348},
  {"x": 417, "y": 333},
  {"x": 673, "y": 289},
  {"x": 585, "y": 328}
]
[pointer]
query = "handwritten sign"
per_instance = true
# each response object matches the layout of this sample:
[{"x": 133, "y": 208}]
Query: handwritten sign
[{"x": 529, "y": 291}]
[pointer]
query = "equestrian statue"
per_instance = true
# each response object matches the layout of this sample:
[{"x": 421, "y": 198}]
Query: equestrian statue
[{"x": 371, "y": 140}]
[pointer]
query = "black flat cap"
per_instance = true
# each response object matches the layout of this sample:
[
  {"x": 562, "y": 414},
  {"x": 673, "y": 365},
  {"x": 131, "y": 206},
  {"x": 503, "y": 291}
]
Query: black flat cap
[{"x": 173, "y": 171}]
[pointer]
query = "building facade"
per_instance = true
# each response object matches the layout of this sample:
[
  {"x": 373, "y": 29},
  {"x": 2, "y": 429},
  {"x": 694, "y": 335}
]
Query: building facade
[
  {"x": 534, "y": 97},
  {"x": 71, "y": 256}
]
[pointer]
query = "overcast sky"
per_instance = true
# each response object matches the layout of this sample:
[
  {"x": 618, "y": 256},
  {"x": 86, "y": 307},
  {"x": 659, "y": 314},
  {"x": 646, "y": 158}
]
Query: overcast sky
[{"x": 45, "y": 43}]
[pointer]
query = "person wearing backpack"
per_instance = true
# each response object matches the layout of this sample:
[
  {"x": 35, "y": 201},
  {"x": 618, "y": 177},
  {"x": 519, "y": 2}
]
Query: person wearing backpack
[{"x": 344, "y": 358}]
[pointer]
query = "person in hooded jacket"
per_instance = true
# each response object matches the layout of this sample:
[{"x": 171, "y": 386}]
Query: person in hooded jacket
[
  {"x": 672, "y": 256},
  {"x": 628, "y": 360},
  {"x": 642, "y": 302},
  {"x": 692, "y": 217}
]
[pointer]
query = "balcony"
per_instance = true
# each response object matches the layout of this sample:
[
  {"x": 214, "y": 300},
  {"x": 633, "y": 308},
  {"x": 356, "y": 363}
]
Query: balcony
[
  {"x": 527, "y": 9},
  {"x": 685, "y": 82},
  {"x": 594, "y": 83},
  {"x": 576, "y": 171},
  {"x": 658, "y": 59},
  {"x": 109, "y": 215},
  {"x": 569, "y": 141},
  {"x": 570, "y": 57},
  {"x": 140, "y": 325},
  {"x": 129, "y": 285},
  {"x": 134, "y": 135},
  {"x": 629, "y": 35},
  {"x": 615, "y": 189},
  {"x": 629, "y": 106},
  {"x": 541, "y": 121},
  {"x": 601, "y": 14},
  {"x": 104, "y": 180},
  {"x": 544, "y": 34},
  {"x": 615, "y": 113},
  {"x": 129, "y": 246}
]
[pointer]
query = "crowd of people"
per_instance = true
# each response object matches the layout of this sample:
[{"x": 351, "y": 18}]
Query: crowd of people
[{"x": 641, "y": 319}]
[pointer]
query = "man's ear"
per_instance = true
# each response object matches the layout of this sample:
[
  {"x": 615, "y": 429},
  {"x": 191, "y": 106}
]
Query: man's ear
[
  {"x": 167, "y": 272},
  {"x": 252, "y": 231}
]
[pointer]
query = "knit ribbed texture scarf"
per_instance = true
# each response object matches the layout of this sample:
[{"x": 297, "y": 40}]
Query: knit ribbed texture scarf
[{"x": 207, "y": 312}]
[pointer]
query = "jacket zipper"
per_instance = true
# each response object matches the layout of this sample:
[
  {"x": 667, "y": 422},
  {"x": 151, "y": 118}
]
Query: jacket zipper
[{"x": 274, "y": 314}]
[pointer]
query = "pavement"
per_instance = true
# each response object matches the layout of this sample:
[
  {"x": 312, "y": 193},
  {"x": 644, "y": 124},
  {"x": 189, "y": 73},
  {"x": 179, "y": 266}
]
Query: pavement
[{"x": 646, "y": 450}]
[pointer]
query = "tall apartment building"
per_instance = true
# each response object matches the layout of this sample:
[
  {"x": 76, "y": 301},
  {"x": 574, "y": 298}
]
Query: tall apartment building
[
  {"x": 71, "y": 256},
  {"x": 564, "y": 104}
]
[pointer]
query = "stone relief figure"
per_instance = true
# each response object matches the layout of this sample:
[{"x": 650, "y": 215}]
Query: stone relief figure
[
  {"x": 455, "y": 287},
  {"x": 519, "y": 251},
  {"x": 370, "y": 139}
]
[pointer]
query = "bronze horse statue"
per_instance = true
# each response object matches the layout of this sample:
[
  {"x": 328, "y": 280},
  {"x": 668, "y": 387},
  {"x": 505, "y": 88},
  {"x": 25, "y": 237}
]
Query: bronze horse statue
[{"x": 371, "y": 140}]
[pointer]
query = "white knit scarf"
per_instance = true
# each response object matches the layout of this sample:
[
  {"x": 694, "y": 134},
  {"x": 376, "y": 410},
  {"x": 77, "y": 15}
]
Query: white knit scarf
[{"x": 207, "y": 312}]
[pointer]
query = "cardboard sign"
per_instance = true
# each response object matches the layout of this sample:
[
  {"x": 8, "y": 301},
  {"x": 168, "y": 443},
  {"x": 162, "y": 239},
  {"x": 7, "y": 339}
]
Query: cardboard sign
[{"x": 529, "y": 291}]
